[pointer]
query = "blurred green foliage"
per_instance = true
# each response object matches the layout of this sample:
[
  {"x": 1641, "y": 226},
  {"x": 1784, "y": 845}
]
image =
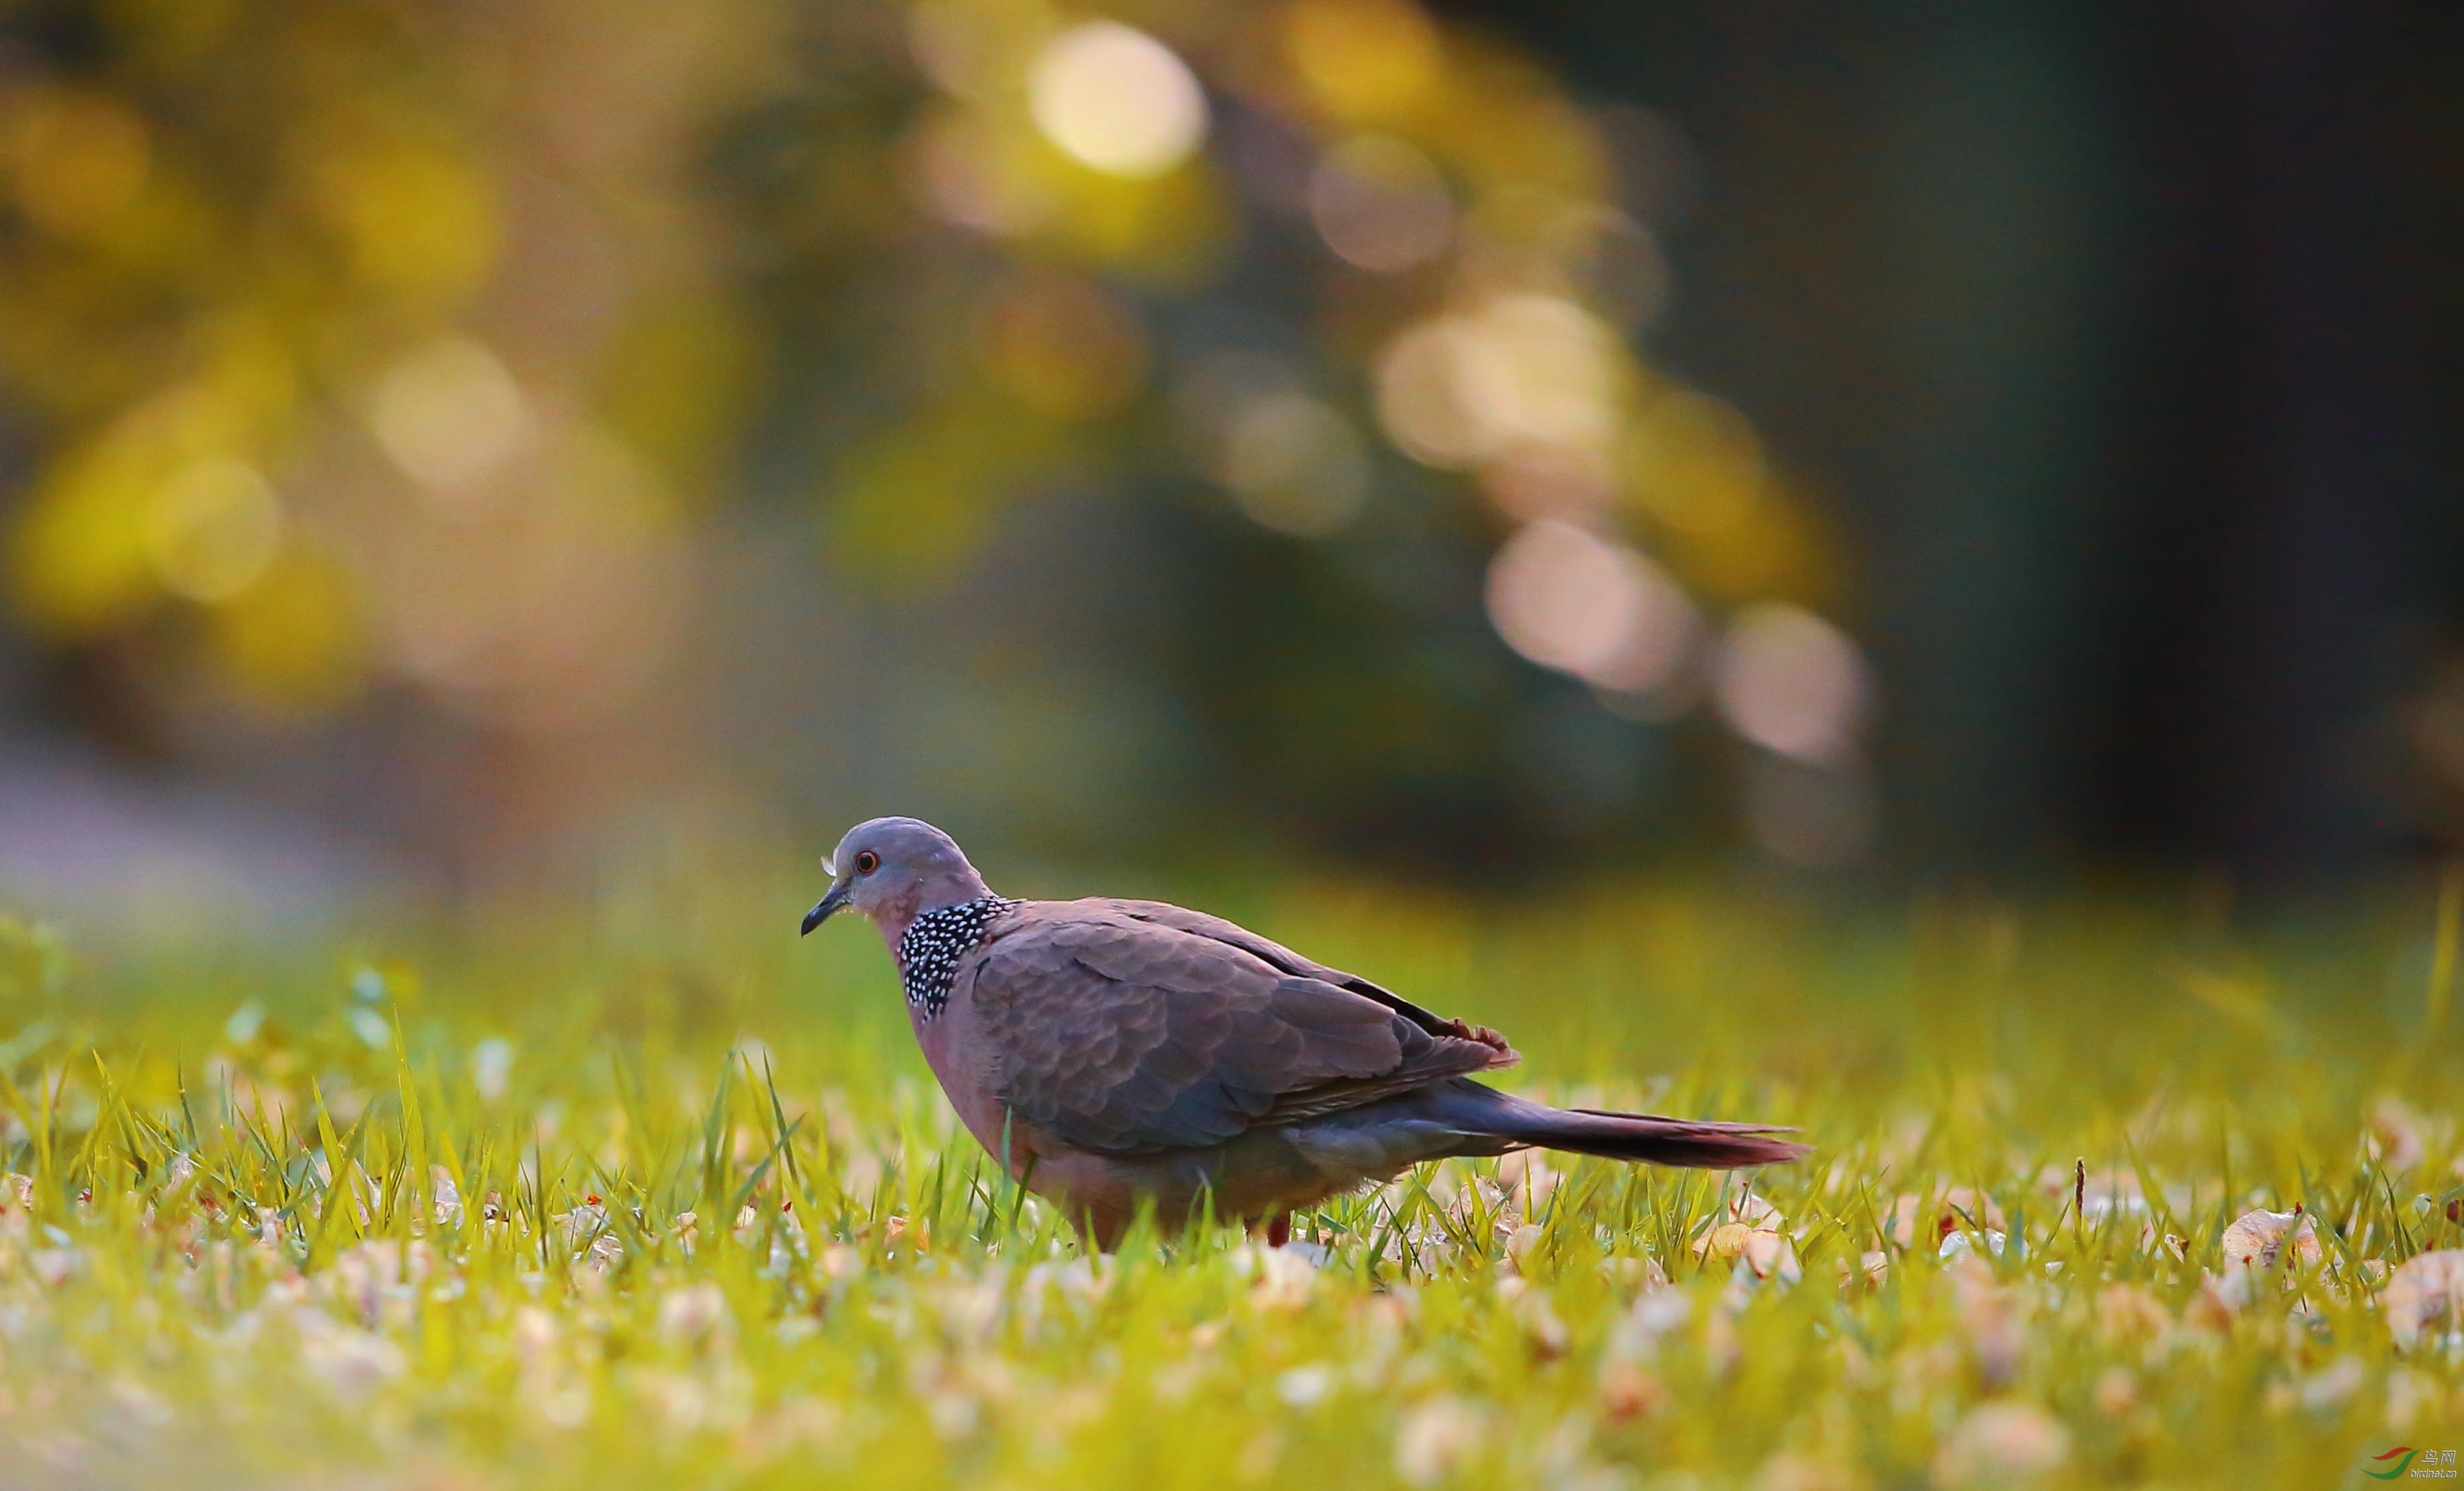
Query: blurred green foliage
[
  {"x": 34, "y": 966},
  {"x": 376, "y": 366}
]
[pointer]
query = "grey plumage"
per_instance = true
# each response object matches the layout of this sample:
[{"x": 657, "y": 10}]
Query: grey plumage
[{"x": 1118, "y": 1052}]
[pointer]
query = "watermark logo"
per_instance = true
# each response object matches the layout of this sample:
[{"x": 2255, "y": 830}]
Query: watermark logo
[{"x": 2414, "y": 1464}]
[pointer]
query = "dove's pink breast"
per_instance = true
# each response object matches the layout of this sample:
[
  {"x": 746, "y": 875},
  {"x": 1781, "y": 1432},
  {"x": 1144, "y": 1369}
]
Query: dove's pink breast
[
  {"x": 969, "y": 1085},
  {"x": 1259, "y": 1173}
]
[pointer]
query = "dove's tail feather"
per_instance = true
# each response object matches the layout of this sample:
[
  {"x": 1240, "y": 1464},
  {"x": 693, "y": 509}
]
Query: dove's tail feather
[
  {"x": 1693, "y": 1143},
  {"x": 1495, "y": 1121}
]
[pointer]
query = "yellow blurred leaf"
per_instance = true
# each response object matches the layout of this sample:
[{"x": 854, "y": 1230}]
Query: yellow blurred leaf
[
  {"x": 78, "y": 558},
  {"x": 2239, "y": 999},
  {"x": 1363, "y": 62},
  {"x": 295, "y": 639},
  {"x": 80, "y": 157},
  {"x": 915, "y": 502},
  {"x": 1064, "y": 347},
  {"x": 676, "y": 375},
  {"x": 415, "y": 220}
]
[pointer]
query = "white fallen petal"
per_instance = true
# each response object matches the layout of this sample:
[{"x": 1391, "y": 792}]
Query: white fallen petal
[
  {"x": 2000, "y": 1443},
  {"x": 2262, "y": 1239},
  {"x": 2428, "y": 1289}
]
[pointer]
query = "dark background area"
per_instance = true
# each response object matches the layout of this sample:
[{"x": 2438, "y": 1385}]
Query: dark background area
[{"x": 2125, "y": 341}]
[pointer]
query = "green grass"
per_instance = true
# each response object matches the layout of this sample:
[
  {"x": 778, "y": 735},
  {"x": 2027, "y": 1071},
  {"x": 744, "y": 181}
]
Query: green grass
[{"x": 710, "y": 1224}]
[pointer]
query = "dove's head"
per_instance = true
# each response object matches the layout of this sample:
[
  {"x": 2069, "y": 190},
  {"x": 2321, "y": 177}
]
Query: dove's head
[{"x": 891, "y": 869}]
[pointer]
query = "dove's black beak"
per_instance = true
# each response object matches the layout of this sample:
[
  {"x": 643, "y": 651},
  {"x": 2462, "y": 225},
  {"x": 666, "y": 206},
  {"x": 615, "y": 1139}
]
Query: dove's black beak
[{"x": 822, "y": 910}]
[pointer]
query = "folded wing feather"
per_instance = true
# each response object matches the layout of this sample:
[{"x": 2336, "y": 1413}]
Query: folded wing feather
[{"x": 1124, "y": 1034}]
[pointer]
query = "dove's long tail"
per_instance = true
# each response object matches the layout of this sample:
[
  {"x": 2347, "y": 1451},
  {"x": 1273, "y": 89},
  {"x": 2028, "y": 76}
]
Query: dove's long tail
[{"x": 1491, "y": 1121}]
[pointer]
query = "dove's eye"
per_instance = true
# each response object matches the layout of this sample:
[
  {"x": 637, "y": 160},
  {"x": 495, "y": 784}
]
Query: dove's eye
[{"x": 867, "y": 862}]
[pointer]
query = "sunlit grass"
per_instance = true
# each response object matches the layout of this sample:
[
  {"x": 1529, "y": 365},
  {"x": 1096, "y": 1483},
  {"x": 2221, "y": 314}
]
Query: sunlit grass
[{"x": 651, "y": 1194}]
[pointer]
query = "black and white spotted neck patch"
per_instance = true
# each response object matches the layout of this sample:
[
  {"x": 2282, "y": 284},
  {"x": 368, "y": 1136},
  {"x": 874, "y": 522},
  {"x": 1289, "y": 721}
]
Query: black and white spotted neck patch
[{"x": 930, "y": 948}]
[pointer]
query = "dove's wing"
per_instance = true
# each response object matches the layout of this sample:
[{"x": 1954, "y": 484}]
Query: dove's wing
[
  {"x": 1285, "y": 960},
  {"x": 1125, "y": 1035}
]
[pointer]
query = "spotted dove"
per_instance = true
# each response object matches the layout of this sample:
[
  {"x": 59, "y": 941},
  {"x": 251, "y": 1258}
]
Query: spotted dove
[{"x": 1128, "y": 1052}]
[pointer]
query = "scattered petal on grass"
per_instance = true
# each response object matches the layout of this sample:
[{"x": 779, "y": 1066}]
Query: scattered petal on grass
[
  {"x": 1527, "y": 1180},
  {"x": 693, "y": 1312},
  {"x": 1753, "y": 1210},
  {"x": 2396, "y": 1136},
  {"x": 444, "y": 1200},
  {"x": 1764, "y": 1253},
  {"x": 2327, "y": 1391},
  {"x": 1284, "y": 1282},
  {"x": 1629, "y": 1391},
  {"x": 2426, "y": 1294},
  {"x": 1789, "y": 1472},
  {"x": 2000, "y": 1443},
  {"x": 459, "y": 1297},
  {"x": 1314, "y": 1254},
  {"x": 2106, "y": 1192},
  {"x": 1992, "y": 1319},
  {"x": 348, "y": 1363},
  {"x": 1305, "y": 1387},
  {"x": 1965, "y": 1244},
  {"x": 1543, "y": 1330},
  {"x": 1522, "y": 1243},
  {"x": 2127, "y": 1313},
  {"x": 1434, "y": 1437},
  {"x": 1938, "y": 1217},
  {"x": 2262, "y": 1239},
  {"x": 1870, "y": 1269},
  {"x": 2214, "y": 1303},
  {"x": 1654, "y": 1315}
]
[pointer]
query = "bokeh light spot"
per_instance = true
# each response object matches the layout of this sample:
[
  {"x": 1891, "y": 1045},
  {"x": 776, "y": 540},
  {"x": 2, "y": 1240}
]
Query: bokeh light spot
[
  {"x": 967, "y": 170},
  {"x": 1380, "y": 204},
  {"x": 1116, "y": 100},
  {"x": 1522, "y": 370},
  {"x": 213, "y": 528},
  {"x": 1295, "y": 465},
  {"x": 1551, "y": 481},
  {"x": 450, "y": 415},
  {"x": 1790, "y": 681},
  {"x": 1541, "y": 368},
  {"x": 1420, "y": 400},
  {"x": 548, "y": 613},
  {"x": 1569, "y": 600}
]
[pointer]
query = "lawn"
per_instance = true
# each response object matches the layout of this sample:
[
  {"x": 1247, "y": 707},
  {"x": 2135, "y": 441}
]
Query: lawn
[{"x": 647, "y": 1192}]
